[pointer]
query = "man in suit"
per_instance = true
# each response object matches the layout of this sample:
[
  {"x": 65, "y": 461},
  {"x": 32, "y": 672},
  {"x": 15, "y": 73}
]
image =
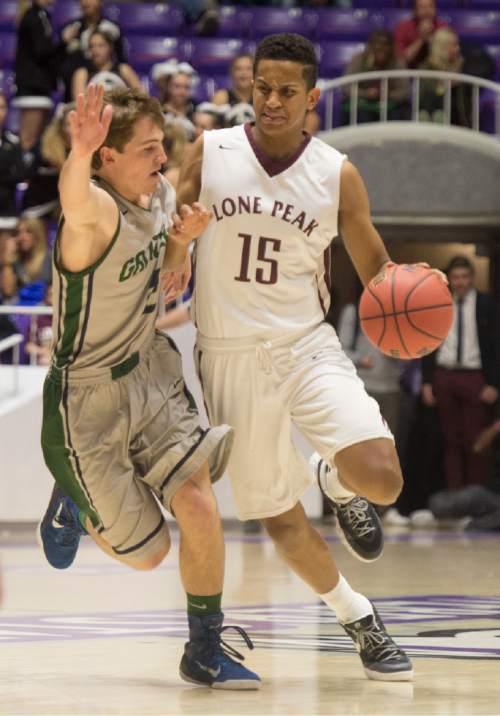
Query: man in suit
[{"x": 461, "y": 378}]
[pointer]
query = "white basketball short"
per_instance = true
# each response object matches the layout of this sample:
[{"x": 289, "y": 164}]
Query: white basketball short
[{"x": 261, "y": 388}]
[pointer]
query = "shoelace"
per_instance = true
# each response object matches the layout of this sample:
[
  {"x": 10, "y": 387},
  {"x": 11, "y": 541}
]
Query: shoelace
[
  {"x": 357, "y": 513},
  {"x": 377, "y": 642},
  {"x": 66, "y": 535},
  {"x": 226, "y": 648}
]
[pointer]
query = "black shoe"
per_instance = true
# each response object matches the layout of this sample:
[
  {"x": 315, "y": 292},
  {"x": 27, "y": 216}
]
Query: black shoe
[
  {"x": 358, "y": 523},
  {"x": 382, "y": 659}
]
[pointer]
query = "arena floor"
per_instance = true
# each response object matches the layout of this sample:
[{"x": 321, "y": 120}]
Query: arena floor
[{"x": 100, "y": 639}]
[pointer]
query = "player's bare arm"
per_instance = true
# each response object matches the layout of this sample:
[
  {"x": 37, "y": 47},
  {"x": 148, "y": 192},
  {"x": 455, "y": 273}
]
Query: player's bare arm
[
  {"x": 361, "y": 239},
  {"x": 90, "y": 214}
]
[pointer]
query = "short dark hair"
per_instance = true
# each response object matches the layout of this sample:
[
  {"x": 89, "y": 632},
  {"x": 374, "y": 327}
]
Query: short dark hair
[
  {"x": 460, "y": 262},
  {"x": 291, "y": 47}
]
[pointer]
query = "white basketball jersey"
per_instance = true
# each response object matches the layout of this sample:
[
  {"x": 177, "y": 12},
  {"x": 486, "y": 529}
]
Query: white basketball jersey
[{"x": 262, "y": 265}]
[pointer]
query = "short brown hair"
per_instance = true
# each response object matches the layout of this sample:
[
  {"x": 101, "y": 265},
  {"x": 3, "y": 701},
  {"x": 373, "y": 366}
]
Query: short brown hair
[{"x": 129, "y": 106}]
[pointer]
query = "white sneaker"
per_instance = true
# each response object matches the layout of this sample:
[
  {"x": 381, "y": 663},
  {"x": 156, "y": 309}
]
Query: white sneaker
[
  {"x": 393, "y": 518},
  {"x": 423, "y": 519}
]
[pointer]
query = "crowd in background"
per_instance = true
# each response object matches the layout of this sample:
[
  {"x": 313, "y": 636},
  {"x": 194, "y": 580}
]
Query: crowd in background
[{"x": 460, "y": 451}]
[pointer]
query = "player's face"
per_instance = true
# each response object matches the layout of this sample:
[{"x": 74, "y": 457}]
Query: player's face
[
  {"x": 136, "y": 170},
  {"x": 280, "y": 97},
  {"x": 461, "y": 280}
]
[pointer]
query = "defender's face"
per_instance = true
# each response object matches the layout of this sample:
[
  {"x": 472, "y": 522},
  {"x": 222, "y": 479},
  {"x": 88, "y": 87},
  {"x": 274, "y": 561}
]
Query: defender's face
[
  {"x": 136, "y": 170},
  {"x": 280, "y": 97},
  {"x": 461, "y": 281}
]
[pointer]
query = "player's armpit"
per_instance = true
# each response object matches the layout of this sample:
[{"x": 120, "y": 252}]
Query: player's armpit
[
  {"x": 189, "y": 185},
  {"x": 361, "y": 239}
]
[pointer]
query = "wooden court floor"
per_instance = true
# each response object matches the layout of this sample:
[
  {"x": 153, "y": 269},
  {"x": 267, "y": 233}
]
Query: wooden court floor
[{"x": 100, "y": 639}]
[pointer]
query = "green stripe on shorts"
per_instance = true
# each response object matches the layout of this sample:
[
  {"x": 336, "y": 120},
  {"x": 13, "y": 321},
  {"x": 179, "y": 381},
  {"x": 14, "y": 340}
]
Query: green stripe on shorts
[{"x": 57, "y": 453}]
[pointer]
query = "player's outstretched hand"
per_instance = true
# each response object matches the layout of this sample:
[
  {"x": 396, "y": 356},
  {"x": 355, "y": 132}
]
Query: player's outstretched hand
[
  {"x": 189, "y": 223},
  {"x": 175, "y": 281},
  {"x": 89, "y": 123}
]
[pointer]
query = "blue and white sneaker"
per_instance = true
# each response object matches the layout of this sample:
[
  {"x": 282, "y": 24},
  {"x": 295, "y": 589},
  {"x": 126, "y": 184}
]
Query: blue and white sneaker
[
  {"x": 207, "y": 660},
  {"x": 60, "y": 530}
]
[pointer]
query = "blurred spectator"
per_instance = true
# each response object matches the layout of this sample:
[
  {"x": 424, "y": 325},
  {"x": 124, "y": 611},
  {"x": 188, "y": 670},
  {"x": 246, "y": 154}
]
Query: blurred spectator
[
  {"x": 7, "y": 258},
  {"x": 42, "y": 197},
  {"x": 174, "y": 144},
  {"x": 174, "y": 80},
  {"x": 241, "y": 89},
  {"x": 412, "y": 36},
  {"x": 461, "y": 378},
  {"x": 208, "y": 116},
  {"x": 11, "y": 170},
  {"x": 478, "y": 503},
  {"x": 379, "y": 54},
  {"x": 27, "y": 259},
  {"x": 203, "y": 14},
  {"x": 446, "y": 55},
  {"x": 103, "y": 67},
  {"x": 41, "y": 335},
  {"x": 36, "y": 71},
  {"x": 75, "y": 36}
]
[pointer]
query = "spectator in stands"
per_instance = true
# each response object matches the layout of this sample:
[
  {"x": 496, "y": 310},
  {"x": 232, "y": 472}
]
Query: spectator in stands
[
  {"x": 103, "y": 68},
  {"x": 208, "y": 116},
  {"x": 41, "y": 198},
  {"x": 461, "y": 378},
  {"x": 241, "y": 89},
  {"x": 379, "y": 54},
  {"x": 41, "y": 335},
  {"x": 203, "y": 14},
  {"x": 446, "y": 55},
  {"x": 174, "y": 144},
  {"x": 412, "y": 36},
  {"x": 29, "y": 260},
  {"x": 11, "y": 170},
  {"x": 76, "y": 35},
  {"x": 174, "y": 80},
  {"x": 36, "y": 72}
]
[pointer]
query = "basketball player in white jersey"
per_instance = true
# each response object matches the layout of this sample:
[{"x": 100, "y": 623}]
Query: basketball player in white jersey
[
  {"x": 120, "y": 430},
  {"x": 266, "y": 358}
]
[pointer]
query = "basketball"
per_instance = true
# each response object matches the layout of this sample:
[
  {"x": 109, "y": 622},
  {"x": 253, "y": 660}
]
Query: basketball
[{"x": 406, "y": 311}]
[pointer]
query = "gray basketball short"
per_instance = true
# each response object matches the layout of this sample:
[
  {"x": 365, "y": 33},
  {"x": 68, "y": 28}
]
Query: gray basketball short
[{"x": 119, "y": 443}]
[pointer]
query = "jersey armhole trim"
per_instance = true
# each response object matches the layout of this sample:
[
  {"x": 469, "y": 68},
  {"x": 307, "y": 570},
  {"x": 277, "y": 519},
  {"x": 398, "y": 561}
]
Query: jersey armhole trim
[{"x": 78, "y": 274}]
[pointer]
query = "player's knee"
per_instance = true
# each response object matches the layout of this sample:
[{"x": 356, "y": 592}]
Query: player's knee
[
  {"x": 194, "y": 504},
  {"x": 147, "y": 564},
  {"x": 285, "y": 533}
]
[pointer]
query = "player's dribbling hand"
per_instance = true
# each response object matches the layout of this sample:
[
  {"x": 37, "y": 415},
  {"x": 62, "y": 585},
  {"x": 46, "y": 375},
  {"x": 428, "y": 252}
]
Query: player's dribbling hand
[
  {"x": 439, "y": 273},
  {"x": 189, "y": 223},
  {"x": 89, "y": 123}
]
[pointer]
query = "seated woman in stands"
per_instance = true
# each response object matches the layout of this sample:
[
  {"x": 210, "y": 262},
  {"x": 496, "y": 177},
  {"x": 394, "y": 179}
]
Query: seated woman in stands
[
  {"x": 30, "y": 261},
  {"x": 174, "y": 81},
  {"x": 103, "y": 68},
  {"x": 241, "y": 89},
  {"x": 379, "y": 54}
]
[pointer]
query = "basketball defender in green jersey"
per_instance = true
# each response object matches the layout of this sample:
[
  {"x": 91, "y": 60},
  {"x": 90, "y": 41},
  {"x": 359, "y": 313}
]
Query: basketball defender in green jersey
[{"x": 120, "y": 430}]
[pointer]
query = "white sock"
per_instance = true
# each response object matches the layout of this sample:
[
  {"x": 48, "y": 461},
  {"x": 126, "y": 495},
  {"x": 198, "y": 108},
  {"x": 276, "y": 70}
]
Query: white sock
[
  {"x": 347, "y": 604},
  {"x": 334, "y": 488}
]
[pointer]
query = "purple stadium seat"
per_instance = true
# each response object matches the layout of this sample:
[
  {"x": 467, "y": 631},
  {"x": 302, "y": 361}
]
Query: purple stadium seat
[
  {"x": 388, "y": 18},
  {"x": 8, "y": 14},
  {"x": 144, "y": 50},
  {"x": 484, "y": 4},
  {"x": 214, "y": 55},
  {"x": 344, "y": 24},
  {"x": 267, "y": 21},
  {"x": 8, "y": 43},
  {"x": 233, "y": 22},
  {"x": 475, "y": 24},
  {"x": 334, "y": 56},
  {"x": 64, "y": 11},
  {"x": 147, "y": 18}
]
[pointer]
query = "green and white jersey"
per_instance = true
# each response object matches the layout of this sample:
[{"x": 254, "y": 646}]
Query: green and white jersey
[{"x": 106, "y": 313}]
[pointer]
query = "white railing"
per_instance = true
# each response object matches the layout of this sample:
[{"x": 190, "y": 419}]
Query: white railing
[
  {"x": 449, "y": 79},
  {"x": 13, "y": 341},
  {"x": 34, "y": 312}
]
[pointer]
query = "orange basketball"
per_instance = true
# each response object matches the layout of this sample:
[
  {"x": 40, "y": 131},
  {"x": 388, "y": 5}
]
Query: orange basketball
[{"x": 406, "y": 311}]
